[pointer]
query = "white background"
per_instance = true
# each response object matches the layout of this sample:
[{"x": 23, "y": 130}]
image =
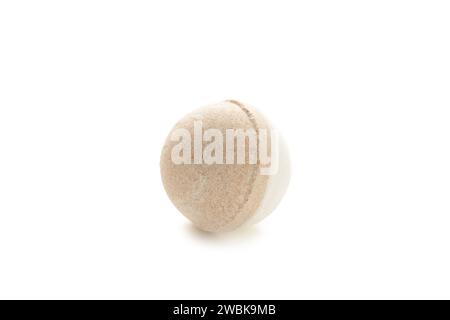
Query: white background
[{"x": 90, "y": 89}]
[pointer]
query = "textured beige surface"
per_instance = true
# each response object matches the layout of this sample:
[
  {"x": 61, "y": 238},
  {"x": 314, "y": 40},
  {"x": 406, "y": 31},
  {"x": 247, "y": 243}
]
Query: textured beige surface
[{"x": 217, "y": 197}]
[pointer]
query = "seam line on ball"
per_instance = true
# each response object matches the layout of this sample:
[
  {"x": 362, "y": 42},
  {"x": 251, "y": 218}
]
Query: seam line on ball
[{"x": 254, "y": 175}]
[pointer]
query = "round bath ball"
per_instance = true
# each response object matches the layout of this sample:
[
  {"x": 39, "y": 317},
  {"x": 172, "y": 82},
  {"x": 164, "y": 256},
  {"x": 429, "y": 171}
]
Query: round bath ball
[{"x": 224, "y": 166}]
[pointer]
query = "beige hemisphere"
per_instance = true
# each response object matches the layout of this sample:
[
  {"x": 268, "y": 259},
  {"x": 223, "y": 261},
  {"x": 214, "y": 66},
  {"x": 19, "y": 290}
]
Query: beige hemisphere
[{"x": 217, "y": 197}]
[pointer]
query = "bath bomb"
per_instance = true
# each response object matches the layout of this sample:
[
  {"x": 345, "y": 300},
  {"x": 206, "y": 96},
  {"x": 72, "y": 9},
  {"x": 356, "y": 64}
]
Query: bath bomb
[{"x": 224, "y": 166}]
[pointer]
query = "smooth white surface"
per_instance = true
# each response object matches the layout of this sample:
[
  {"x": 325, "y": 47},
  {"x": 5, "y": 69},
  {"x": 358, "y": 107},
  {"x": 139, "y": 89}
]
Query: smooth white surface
[
  {"x": 277, "y": 183},
  {"x": 89, "y": 90}
]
